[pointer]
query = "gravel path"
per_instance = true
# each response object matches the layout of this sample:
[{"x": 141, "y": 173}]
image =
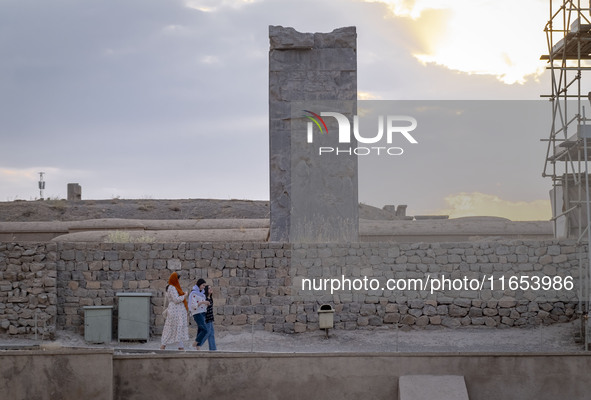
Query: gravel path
[{"x": 554, "y": 338}]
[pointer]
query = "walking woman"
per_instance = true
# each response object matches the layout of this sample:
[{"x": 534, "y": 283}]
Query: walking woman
[
  {"x": 197, "y": 307},
  {"x": 176, "y": 327},
  {"x": 209, "y": 318}
]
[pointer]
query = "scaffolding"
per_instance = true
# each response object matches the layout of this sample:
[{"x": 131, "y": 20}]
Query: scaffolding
[{"x": 568, "y": 35}]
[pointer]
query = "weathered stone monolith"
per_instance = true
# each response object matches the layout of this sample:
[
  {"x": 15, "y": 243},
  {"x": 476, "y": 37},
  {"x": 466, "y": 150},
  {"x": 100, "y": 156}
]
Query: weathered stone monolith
[
  {"x": 313, "y": 196},
  {"x": 74, "y": 192}
]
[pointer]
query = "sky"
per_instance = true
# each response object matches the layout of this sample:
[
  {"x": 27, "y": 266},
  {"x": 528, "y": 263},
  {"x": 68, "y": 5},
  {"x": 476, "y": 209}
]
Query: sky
[{"x": 146, "y": 99}]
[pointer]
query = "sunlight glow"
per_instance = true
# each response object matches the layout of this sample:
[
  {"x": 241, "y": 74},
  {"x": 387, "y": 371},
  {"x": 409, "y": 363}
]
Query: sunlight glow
[
  {"x": 481, "y": 204},
  {"x": 19, "y": 175},
  {"x": 367, "y": 96},
  {"x": 503, "y": 38}
]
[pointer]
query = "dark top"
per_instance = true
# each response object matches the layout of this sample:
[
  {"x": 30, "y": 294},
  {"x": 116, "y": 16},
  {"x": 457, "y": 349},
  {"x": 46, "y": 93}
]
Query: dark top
[{"x": 209, "y": 312}]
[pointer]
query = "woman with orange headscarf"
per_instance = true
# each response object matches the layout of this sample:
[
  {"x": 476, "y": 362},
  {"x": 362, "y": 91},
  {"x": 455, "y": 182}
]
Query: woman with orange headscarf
[{"x": 176, "y": 328}]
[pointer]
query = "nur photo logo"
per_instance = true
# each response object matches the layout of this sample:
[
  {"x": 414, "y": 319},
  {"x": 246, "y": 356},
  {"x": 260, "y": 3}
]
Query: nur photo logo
[{"x": 389, "y": 126}]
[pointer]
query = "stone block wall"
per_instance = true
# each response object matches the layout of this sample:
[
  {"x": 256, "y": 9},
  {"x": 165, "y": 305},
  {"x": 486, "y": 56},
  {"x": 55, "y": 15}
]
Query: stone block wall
[
  {"x": 28, "y": 289},
  {"x": 260, "y": 283},
  {"x": 250, "y": 278},
  {"x": 475, "y": 262}
]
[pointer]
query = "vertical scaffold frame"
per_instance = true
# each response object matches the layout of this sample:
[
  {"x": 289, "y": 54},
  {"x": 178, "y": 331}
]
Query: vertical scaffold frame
[{"x": 568, "y": 35}]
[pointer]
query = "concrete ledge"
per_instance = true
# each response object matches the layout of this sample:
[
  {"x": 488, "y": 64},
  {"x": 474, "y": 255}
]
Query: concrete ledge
[
  {"x": 440, "y": 387},
  {"x": 402, "y": 231},
  {"x": 468, "y": 226},
  {"x": 168, "y": 236},
  {"x": 57, "y": 374},
  {"x": 101, "y": 374},
  {"x": 339, "y": 376},
  {"x": 98, "y": 229}
]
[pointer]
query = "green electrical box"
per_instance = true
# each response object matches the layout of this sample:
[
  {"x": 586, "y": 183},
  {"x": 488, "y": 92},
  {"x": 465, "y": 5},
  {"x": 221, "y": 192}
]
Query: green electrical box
[
  {"x": 98, "y": 324},
  {"x": 134, "y": 316}
]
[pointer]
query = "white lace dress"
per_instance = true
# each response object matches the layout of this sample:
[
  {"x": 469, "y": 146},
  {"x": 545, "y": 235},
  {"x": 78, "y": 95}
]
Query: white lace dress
[{"x": 176, "y": 328}]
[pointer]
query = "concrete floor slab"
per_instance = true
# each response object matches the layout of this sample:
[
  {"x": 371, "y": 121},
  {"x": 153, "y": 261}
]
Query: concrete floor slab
[{"x": 426, "y": 387}]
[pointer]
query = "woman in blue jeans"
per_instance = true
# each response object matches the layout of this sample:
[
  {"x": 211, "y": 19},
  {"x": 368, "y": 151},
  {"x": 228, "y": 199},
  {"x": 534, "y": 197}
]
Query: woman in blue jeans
[
  {"x": 198, "y": 306},
  {"x": 209, "y": 319}
]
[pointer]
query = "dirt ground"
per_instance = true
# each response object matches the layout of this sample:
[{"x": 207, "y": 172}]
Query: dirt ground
[
  {"x": 153, "y": 209},
  {"x": 545, "y": 339},
  {"x": 62, "y": 210}
]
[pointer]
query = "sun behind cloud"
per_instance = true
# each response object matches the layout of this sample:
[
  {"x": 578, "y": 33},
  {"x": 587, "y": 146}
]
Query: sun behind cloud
[
  {"x": 481, "y": 204},
  {"x": 503, "y": 38}
]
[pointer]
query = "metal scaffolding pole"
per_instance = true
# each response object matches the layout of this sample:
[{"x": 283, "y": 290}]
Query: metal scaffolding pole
[{"x": 568, "y": 35}]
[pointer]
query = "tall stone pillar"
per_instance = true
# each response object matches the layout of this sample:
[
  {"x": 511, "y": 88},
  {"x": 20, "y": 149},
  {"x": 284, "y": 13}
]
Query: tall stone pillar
[{"x": 313, "y": 196}]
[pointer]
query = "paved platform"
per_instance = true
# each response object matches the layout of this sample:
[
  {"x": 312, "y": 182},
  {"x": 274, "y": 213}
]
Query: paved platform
[
  {"x": 557, "y": 338},
  {"x": 426, "y": 387}
]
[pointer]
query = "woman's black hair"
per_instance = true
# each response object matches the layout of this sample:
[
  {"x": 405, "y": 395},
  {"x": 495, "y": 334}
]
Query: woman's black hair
[{"x": 207, "y": 292}]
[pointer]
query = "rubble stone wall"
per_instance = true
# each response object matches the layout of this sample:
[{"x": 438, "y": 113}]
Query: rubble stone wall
[
  {"x": 28, "y": 289},
  {"x": 260, "y": 283}
]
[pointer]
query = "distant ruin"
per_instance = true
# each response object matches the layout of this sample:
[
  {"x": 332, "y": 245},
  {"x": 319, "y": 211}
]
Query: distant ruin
[{"x": 74, "y": 192}]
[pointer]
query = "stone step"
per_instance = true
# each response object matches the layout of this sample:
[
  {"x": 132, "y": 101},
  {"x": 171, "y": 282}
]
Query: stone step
[{"x": 426, "y": 387}]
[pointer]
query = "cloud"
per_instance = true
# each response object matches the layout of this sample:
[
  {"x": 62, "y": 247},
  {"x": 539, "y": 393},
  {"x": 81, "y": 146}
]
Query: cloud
[
  {"x": 210, "y": 60},
  {"x": 23, "y": 182},
  {"x": 503, "y": 38},
  {"x": 15, "y": 175},
  {"x": 481, "y": 204},
  {"x": 367, "y": 96},
  {"x": 217, "y": 5},
  {"x": 146, "y": 97}
]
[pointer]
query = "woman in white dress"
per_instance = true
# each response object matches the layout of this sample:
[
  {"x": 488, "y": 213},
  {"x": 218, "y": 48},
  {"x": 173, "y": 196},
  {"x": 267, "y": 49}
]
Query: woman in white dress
[{"x": 176, "y": 327}]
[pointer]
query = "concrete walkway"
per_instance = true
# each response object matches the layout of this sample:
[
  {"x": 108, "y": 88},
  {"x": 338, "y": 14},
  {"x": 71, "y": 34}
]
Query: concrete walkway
[
  {"x": 440, "y": 387},
  {"x": 557, "y": 338}
]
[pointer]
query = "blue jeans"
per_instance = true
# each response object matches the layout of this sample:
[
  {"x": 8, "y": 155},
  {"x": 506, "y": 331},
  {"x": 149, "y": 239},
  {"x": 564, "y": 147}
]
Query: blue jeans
[
  {"x": 210, "y": 336},
  {"x": 201, "y": 328}
]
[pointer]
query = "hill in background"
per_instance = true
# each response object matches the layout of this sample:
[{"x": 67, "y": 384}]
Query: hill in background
[{"x": 63, "y": 210}]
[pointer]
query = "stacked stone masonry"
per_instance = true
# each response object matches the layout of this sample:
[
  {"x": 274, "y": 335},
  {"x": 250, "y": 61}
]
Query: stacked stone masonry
[
  {"x": 260, "y": 283},
  {"x": 28, "y": 289}
]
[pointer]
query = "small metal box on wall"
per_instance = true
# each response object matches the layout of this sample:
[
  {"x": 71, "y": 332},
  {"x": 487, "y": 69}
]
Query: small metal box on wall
[
  {"x": 134, "y": 316},
  {"x": 98, "y": 324}
]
